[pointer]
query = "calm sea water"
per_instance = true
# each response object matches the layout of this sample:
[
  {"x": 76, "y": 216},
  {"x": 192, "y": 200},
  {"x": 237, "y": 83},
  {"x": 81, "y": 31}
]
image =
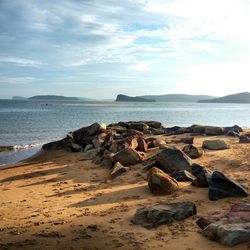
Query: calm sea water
[{"x": 35, "y": 122}]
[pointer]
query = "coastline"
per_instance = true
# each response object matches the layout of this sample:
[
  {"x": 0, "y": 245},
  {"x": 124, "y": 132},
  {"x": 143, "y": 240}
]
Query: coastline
[{"x": 60, "y": 199}]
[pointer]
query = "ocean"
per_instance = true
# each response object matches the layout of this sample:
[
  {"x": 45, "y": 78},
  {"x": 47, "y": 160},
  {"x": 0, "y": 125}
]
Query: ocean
[{"x": 28, "y": 124}]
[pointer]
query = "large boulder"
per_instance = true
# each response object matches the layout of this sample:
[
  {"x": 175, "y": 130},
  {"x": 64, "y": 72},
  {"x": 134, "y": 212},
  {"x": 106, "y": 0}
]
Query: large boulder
[
  {"x": 153, "y": 124},
  {"x": 215, "y": 144},
  {"x": 91, "y": 130},
  {"x": 212, "y": 130},
  {"x": 160, "y": 182},
  {"x": 65, "y": 143},
  {"x": 228, "y": 234},
  {"x": 163, "y": 213},
  {"x": 128, "y": 142},
  {"x": 172, "y": 159},
  {"x": 228, "y": 229},
  {"x": 127, "y": 157},
  {"x": 192, "y": 151},
  {"x": 221, "y": 186}
]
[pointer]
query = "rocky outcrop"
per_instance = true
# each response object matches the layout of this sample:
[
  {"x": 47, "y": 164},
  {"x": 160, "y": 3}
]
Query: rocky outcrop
[
  {"x": 173, "y": 160},
  {"x": 221, "y": 186},
  {"x": 163, "y": 213},
  {"x": 215, "y": 144}
]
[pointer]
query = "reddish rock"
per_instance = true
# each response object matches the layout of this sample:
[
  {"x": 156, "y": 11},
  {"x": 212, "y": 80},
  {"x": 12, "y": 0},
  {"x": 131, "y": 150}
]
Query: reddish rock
[
  {"x": 127, "y": 157},
  {"x": 160, "y": 182},
  {"x": 142, "y": 145}
]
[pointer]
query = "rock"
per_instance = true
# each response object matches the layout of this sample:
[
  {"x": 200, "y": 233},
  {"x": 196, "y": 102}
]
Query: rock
[
  {"x": 215, "y": 144},
  {"x": 173, "y": 159},
  {"x": 140, "y": 126},
  {"x": 153, "y": 124},
  {"x": 192, "y": 151},
  {"x": 198, "y": 129},
  {"x": 158, "y": 143},
  {"x": 188, "y": 140},
  {"x": 232, "y": 133},
  {"x": 92, "y": 153},
  {"x": 229, "y": 229},
  {"x": 212, "y": 130},
  {"x": 160, "y": 182},
  {"x": 163, "y": 213},
  {"x": 129, "y": 142},
  {"x": 244, "y": 139},
  {"x": 202, "y": 174},
  {"x": 235, "y": 128},
  {"x": 57, "y": 145},
  {"x": 130, "y": 132},
  {"x": 228, "y": 234},
  {"x": 159, "y": 131},
  {"x": 91, "y": 130},
  {"x": 107, "y": 163},
  {"x": 118, "y": 129},
  {"x": 142, "y": 144},
  {"x": 118, "y": 170},
  {"x": 127, "y": 156},
  {"x": 76, "y": 147},
  {"x": 97, "y": 143},
  {"x": 221, "y": 186},
  {"x": 183, "y": 175},
  {"x": 88, "y": 147}
]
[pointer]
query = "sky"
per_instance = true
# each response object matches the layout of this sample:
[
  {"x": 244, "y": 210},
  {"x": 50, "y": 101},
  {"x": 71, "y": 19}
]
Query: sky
[{"x": 98, "y": 49}]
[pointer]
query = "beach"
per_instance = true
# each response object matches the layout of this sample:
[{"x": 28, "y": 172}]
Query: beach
[{"x": 58, "y": 199}]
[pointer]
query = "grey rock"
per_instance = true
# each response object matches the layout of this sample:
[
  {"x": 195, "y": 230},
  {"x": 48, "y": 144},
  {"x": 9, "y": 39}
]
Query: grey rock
[
  {"x": 244, "y": 139},
  {"x": 221, "y": 186},
  {"x": 202, "y": 174},
  {"x": 88, "y": 147},
  {"x": 173, "y": 159},
  {"x": 192, "y": 151},
  {"x": 76, "y": 147},
  {"x": 228, "y": 234},
  {"x": 118, "y": 170},
  {"x": 212, "y": 130},
  {"x": 163, "y": 213},
  {"x": 183, "y": 175},
  {"x": 215, "y": 144}
]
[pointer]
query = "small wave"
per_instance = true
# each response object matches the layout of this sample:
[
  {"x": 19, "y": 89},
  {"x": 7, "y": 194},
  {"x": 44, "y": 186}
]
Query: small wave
[{"x": 27, "y": 146}]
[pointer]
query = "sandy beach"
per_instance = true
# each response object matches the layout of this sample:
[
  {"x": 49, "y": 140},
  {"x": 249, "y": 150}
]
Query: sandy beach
[{"x": 62, "y": 200}]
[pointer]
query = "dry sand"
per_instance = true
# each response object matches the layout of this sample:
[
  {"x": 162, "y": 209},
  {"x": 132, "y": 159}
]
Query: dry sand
[{"x": 61, "y": 200}]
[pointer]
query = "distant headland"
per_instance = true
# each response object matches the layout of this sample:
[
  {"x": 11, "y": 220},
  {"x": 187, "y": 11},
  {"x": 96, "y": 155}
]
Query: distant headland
[
  {"x": 243, "y": 97},
  {"x": 125, "y": 98}
]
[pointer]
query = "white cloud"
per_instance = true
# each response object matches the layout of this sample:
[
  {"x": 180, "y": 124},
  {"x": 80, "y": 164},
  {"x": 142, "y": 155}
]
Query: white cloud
[
  {"x": 20, "y": 61},
  {"x": 17, "y": 80}
]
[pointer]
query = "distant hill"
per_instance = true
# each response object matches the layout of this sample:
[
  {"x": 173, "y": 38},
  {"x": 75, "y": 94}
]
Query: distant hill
[
  {"x": 125, "y": 98},
  {"x": 243, "y": 97},
  {"x": 53, "y": 98},
  {"x": 18, "y": 98},
  {"x": 177, "y": 97}
]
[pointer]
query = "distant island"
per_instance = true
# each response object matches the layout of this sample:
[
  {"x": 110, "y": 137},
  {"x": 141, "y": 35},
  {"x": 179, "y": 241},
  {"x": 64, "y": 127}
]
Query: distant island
[
  {"x": 53, "y": 97},
  {"x": 243, "y": 97},
  {"x": 163, "y": 98},
  {"x": 125, "y": 98}
]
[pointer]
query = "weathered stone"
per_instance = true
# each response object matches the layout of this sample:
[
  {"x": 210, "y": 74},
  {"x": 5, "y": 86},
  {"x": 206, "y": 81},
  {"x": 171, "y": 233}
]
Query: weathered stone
[
  {"x": 188, "y": 140},
  {"x": 57, "y": 145},
  {"x": 192, "y": 151},
  {"x": 221, "y": 186},
  {"x": 92, "y": 153},
  {"x": 76, "y": 147},
  {"x": 97, "y": 143},
  {"x": 142, "y": 145},
  {"x": 215, "y": 144},
  {"x": 163, "y": 213},
  {"x": 212, "y": 130},
  {"x": 232, "y": 133},
  {"x": 88, "y": 147},
  {"x": 183, "y": 175},
  {"x": 203, "y": 222},
  {"x": 234, "y": 128},
  {"x": 173, "y": 159},
  {"x": 93, "y": 129},
  {"x": 159, "y": 131},
  {"x": 127, "y": 156},
  {"x": 128, "y": 142},
  {"x": 130, "y": 132},
  {"x": 107, "y": 163},
  {"x": 160, "y": 182},
  {"x": 140, "y": 126},
  {"x": 158, "y": 142},
  {"x": 228, "y": 234},
  {"x": 202, "y": 174},
  {"x": 198, "y": 129},
  {"x": 118, "y": 170},
  {"x": 244, "y": 139},
  {"x": 153, "y": 124}
]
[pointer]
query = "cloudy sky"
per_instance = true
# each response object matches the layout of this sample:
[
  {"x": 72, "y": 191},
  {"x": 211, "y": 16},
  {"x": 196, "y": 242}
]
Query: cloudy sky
[{"x": 97, "y": 48}]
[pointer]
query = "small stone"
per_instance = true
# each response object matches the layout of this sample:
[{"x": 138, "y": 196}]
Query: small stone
[
  {"x": 192, "y": 151},
  {"x": 118, "y": 170}
]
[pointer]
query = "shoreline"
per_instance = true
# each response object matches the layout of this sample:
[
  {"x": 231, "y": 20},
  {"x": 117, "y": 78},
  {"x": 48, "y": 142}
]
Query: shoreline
[{"x": 62, "y": 199}]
